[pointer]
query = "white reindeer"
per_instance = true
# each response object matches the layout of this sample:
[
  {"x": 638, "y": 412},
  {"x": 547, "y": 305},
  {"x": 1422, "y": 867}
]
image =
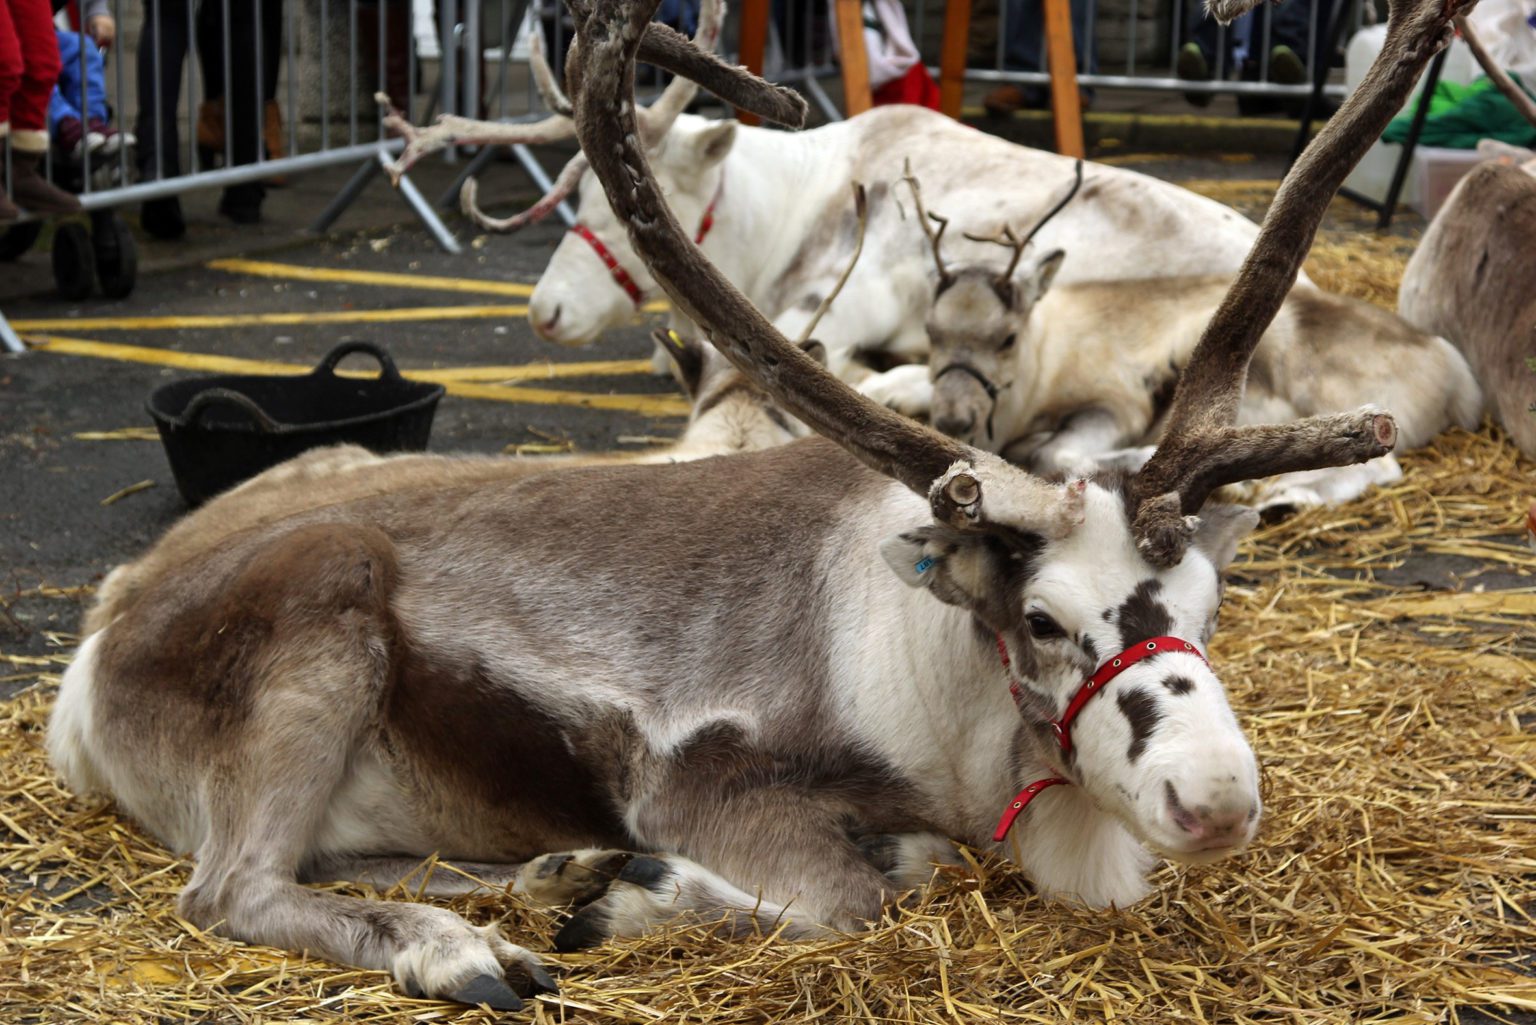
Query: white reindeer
[
  {"x": 703, "y": 680},
  {"x": 1057, "y": 377},
  {"x": 770, "y": 210}
]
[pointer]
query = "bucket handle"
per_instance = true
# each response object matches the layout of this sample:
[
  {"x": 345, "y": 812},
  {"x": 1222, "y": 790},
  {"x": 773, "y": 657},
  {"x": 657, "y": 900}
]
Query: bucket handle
[
  {"x": 387, "y": 369},
  {"x": 211, "y": 396}
]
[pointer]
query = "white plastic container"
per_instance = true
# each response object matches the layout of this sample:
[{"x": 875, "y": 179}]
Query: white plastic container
[{"x": 1373, "y": 175}]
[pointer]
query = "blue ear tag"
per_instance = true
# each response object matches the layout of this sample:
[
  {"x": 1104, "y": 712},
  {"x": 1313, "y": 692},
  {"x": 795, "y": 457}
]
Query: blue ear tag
[{"x": 924, "y": 564}]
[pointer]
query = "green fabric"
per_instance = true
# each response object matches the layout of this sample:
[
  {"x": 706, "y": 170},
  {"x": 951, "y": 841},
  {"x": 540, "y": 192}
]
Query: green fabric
[{"x": 1459, "y": 115}]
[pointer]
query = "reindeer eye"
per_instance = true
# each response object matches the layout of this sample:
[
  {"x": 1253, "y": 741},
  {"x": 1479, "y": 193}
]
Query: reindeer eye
[
  {"x": 1007, "y": 343},
  {"x": 1043, "y": 627}
]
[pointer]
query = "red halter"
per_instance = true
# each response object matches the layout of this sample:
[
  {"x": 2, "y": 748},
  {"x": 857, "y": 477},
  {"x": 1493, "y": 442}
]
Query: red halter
[
  {"x": 1063, "y": 727},
  {"x": 620, "y": 275}
]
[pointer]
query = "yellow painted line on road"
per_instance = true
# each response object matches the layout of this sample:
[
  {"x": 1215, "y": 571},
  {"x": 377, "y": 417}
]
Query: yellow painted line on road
[
  {"x": 293, "y": 272},
  {"x": 645, "y": 405},
  {"x": 543, "y": 371},
  {"x": 202, "y": 321}
]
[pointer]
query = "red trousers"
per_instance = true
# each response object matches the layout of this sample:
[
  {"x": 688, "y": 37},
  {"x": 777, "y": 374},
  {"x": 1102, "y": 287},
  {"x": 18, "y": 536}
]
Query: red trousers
[{"x": 29, "y": 69}]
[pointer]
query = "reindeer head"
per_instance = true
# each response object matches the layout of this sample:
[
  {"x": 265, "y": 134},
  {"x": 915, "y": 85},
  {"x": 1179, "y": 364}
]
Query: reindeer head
[
  {"x": 976, "y": 321},
  {"x": 1065, "y": 574},
  {"x": 580, "y": 295}
]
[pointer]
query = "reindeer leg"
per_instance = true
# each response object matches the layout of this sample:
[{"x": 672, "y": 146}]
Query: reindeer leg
[
  {"x": 272, "y": 789},
  {"x": 427, "y": 878}
]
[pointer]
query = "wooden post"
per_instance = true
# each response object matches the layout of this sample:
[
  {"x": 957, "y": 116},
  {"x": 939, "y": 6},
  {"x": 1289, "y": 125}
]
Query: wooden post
[
  {"x": 754, "y": 42},
  {"x": 853, "y": 57},
  {"x": 1066, "y": 105},
  {"x": 957, "y": 32}
]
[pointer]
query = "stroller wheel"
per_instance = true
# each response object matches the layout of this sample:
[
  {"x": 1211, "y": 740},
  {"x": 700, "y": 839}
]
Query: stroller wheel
[
  {"x": 74, "y": 264},
  {"x": 117, "y": 254},
  {"x": 18, "y": 239}
]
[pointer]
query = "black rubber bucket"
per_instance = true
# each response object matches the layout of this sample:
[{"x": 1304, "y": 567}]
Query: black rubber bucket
[{"x": 219, "y": 431}]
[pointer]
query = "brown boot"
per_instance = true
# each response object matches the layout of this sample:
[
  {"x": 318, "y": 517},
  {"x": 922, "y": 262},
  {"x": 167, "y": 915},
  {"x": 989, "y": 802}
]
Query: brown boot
[
  {"x": 272, "y": 131},
  {"x": 31, "y": 191},
  {"x": 210, "y": 125}
]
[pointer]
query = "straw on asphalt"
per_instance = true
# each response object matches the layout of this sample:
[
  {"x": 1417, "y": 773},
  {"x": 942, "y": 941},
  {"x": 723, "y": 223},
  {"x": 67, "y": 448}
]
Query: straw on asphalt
[{"x": 1394, "y": 878}]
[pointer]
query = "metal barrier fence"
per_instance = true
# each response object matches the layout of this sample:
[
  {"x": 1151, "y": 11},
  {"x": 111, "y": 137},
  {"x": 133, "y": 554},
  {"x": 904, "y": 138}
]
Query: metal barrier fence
[
  {"x": 194, "y": 80},
  {"x": 1137, "y": 44}
]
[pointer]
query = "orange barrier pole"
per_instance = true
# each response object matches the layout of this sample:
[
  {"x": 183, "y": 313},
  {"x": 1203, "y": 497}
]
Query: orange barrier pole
[
  {"x": 1066, "y": 105},
  {"x": 754, "y": 42},
  {"x": 957, "y": 31},
  {"x": 852, "y": 56}
]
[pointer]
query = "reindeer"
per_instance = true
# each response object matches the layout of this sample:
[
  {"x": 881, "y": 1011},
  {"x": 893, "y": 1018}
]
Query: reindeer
[
  {"x": 892, "y": 632},
  {"x": 1470, "y": 279},
  {"x": 769, "y": 210},
  {"x": 1065, "y": 376}
]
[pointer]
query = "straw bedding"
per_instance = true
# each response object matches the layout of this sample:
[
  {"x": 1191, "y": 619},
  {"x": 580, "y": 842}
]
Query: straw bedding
[{"x": 1394, "y": 879}]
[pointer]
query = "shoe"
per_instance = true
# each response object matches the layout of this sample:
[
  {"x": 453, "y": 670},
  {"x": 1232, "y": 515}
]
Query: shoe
[
  {"x": 74, "y": 141},
  {"x": 1006, "y": 99},
  {"x": 242, "y": 203},
  {"x": 31, "y": 191},
  {"x": 272, "y": 131},
  {"x": 112, "y": 140},
  {"x": 1285, "y": 68},
  {"x": 1193, "y": 66},
  {"x": 162, "y": 218},
  {"x": 210, "y": 125}
]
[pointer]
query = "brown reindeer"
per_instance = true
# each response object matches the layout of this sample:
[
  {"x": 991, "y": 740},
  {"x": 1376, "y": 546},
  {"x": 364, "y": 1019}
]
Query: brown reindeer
[{"x": 483, "y": 669}]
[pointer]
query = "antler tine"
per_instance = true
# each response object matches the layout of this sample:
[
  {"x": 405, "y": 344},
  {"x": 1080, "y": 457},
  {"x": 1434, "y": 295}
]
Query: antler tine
[
  {"x": 1201, "y": 450},
  {"x": 935, "y": 238},
  {"x": 450, "y": 130},
  {"x": 1009, "y": 241},
  {"x": 564, "y": 185},
  {"x": 949, "y": 474},
  {"x": 544, "y": 75},
  {"x": 658, "y": 118}
]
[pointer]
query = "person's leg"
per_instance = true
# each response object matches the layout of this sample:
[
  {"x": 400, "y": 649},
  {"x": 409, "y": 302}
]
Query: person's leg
[
  {"x": 66, "y": 125},
  {"x": 32, "y": 22},
  {"x": 10, "y": 78},
  {"x": 163, "y": 43},
  {"x": 242, "y": 203},
  {"x": 1023, "y": 43}
]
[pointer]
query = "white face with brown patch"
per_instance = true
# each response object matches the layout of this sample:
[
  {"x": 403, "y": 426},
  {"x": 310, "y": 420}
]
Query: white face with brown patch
[
  {"x": 579, "y": 297},
  {"x": 1157, "y": 746}
]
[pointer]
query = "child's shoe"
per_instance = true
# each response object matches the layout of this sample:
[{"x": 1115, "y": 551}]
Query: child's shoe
[{"x": 112, "y": 140}]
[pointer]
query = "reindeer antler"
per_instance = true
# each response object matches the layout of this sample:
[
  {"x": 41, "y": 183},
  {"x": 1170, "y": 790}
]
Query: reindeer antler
[
  {"x": 1009, "y": 241},
  {"x": 1201, "y": 449},
  {"x": 952, "y": 476},
  {"x": 935, "y": 238}
]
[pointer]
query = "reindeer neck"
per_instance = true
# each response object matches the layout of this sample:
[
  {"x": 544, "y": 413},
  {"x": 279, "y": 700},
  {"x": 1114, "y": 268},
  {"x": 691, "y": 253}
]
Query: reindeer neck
[{"x": 776, "y": 186}]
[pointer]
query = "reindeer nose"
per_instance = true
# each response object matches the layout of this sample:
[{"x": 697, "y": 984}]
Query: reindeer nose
[
  {"x": 547, "y": 328},
  {"x": 953, "y": 424},
  {"x": 1211, "y": 824}
]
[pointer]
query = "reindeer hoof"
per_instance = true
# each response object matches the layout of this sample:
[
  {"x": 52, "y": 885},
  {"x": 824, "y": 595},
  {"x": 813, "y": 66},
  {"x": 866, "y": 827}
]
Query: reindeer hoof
[
  {"x": 488, "y": 990},
  {"x": 586, "y": 928}
]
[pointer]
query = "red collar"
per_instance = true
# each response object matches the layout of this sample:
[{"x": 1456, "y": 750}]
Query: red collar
[
  {"x": 620, "y": 275},
  {"x": 1062, "y": 727}
]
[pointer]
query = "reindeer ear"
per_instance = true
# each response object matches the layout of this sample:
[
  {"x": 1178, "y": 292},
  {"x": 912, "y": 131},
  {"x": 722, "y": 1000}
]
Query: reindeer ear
[
  {"x": 687, "y": 356},
  {"x": 1036, "y": 280},
  {"x": 960, "y": 568},
  {"x": 1221, "y": 528},
  {"x": 709, "y": 147},
  {"x": 815, "y": 350}
]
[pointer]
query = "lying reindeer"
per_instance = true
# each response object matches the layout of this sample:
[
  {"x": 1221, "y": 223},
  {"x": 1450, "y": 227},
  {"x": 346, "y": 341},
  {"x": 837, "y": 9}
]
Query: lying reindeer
[
  {"x": 769, "y": 209},
  {"x": 1059, "y": 377},
  {"x": 893, "y": 631},
  {"x": 1471, "y": 279}
]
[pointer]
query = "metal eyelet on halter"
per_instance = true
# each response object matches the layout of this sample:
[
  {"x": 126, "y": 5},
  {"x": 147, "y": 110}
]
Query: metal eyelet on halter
[
  {"x": 1116, "y": 663},
  {"x": 1188, "y": 646},
  {"x": 1017, "y": 805},
  {"x": 1151, "y": 645}
]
